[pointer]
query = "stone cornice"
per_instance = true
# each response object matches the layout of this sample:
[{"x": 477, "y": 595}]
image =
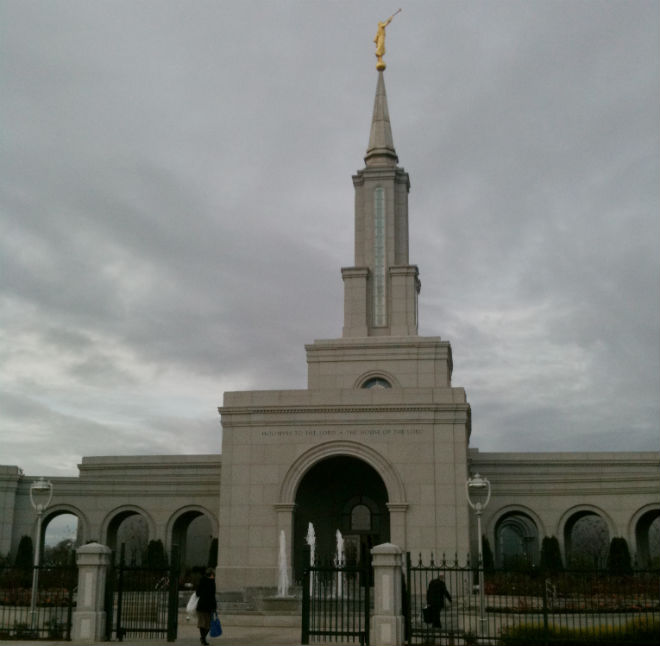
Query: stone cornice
[
  {"x": 561, "y": 488},
  {"x": 385, "y": 342},
  {"x": 133, "y": 489},
  {"x": 367, "y": 409},
  {"x": 405, "y": 270},
  {"x": 557, "y": 460},
  {"x": 354, "y": 272}
]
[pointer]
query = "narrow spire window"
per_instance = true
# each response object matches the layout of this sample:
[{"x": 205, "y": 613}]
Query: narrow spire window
[{"x": 379, "y": 257}]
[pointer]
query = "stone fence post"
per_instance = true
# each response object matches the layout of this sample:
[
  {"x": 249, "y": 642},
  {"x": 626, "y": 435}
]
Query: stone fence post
[
  {"x": 93, "y": 560},
  {"x": 387, "y": 622}
]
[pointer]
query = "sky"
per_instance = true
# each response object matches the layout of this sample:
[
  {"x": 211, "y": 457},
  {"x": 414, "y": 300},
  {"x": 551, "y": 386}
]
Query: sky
[{"x": 176, "y": 204}]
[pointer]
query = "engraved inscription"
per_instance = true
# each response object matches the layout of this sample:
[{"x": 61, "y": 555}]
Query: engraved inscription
[{"x": 343, "y": 432}]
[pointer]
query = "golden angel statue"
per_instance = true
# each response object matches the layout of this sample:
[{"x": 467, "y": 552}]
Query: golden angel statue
[{"x": 380, "y": 41}]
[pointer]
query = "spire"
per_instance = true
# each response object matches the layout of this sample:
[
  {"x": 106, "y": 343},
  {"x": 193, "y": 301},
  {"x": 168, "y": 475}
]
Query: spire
[
  {"x": 380, "y": 290},
  {"x": 380, "y": 151}
]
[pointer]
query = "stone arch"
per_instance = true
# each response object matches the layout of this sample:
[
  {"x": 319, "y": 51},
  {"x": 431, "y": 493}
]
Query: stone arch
[
  {"x": 326, "y": 497},
  {"x": 115, "y": 518},
  {"x": 83, "y": 530},
  {"x": 638, "y": 534},
  {"x": 179, "y": 523},
  {"x": 525, "y": 525},
  {"x": 392, "y": 483},
  {"x": 385, "y": 469},
  {"x": 376, "y": 374},
  {"x": 575, "y": 514}
]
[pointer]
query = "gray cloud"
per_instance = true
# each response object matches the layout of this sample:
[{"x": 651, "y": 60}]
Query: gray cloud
[{"x": 176, "y": 202}]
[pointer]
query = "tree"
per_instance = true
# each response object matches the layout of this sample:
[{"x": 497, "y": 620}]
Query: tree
[
  {"x": 60, "y": 554},
  {"x": 589, "y": 541},
  {"x": 156, "y": 556},
  {"x": 25, "y": 553},
  {"x": 133, "y": 532},
  {"x": 487, "y": 555},
  {"x": 618, "y": 558},
  {"x": 551, "y": 555},
  {"x": 213, "y": 553}
]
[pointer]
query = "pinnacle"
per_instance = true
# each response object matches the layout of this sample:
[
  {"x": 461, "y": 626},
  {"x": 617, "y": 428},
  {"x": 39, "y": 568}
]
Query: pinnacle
[{"x": 380, "y": 151}]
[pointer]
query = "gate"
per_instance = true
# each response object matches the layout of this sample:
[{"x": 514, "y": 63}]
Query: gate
[
  {"x": 458, "y": 621},
  {"x": 336, "y": 604},
  {"x": 531, "y": 606},
  {"x": 141, "y": 601},
  {"x": 47, "y": 613}
]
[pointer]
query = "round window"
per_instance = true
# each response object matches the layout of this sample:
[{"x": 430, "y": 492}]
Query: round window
[{"x": 376, "y": 382}]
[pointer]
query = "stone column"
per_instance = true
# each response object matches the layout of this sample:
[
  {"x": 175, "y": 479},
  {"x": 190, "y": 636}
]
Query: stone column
[
  {"x": 89, "y": 616},
  {"x": 387, "y": 622},
  {"x": 398, "y": 511}
]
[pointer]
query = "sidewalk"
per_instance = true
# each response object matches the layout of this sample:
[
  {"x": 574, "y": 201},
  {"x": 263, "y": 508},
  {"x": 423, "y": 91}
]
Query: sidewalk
[{"x": 188, "y": 635}]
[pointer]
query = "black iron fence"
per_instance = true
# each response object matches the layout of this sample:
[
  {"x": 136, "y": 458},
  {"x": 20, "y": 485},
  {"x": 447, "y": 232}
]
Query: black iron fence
[
  {"x": 53, "y": 603},
  {"x": 141, "y": 601},
  {"x": 336, "y": 604},
  {"x": 534, "y": 607}
]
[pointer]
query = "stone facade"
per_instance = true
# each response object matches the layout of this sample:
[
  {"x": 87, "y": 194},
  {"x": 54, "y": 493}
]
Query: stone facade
[
  {"x": 554, "y": 488},
  {"x": 160, "y": 489}
]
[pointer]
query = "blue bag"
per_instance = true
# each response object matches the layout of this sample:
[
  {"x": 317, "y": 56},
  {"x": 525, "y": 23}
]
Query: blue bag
[{"x": 215, "y": 629}]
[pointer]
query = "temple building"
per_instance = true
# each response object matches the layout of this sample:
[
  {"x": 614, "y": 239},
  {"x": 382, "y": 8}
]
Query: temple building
[{"x": 376, "y": 446}]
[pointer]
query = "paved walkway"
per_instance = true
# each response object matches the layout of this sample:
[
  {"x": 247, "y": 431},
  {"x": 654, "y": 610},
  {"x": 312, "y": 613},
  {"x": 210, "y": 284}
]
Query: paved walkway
[
  {"x": 189, "y": 636},
  {"x": 240, "y": 635}
]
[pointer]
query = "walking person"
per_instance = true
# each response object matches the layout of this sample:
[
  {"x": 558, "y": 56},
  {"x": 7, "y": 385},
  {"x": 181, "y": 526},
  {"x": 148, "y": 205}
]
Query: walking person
[
  {"x": 207, "y": 604},
  {"x": 436, "y": 594}
]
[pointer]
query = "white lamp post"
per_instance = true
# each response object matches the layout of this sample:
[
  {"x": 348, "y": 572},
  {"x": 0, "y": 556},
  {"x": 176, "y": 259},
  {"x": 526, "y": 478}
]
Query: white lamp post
[
  {"x": 41, "y": 493},
  {"x": 477, "y": 490}
]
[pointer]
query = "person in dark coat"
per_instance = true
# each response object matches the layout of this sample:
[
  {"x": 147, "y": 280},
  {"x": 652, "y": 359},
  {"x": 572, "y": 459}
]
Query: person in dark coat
[
  {"x": 436, "y": 594},
  {"x": 206, "y": 605}
]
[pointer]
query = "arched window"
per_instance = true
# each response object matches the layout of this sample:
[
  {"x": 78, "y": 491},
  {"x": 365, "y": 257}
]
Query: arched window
[
  {"x": 361, "y": 518},
  {"x": 376, "y": 382}
]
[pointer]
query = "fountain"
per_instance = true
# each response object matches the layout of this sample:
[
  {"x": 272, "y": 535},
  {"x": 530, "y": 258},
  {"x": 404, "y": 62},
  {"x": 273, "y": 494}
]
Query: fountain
[
  {"x": 339, "y": 563},
  {"x": 283, "y": 603},
  {"x": 310, "y": 539}
]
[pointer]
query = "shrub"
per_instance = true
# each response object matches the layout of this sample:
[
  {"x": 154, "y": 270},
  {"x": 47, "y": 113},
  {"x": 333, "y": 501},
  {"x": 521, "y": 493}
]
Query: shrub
[
  {"x": 638, "y": 632},
  {"x": 25, "y": 553},
  {"x": 618, "y": 558},
  {"x": 156, "y": 556},
  {"x": 551, "y": 555}
]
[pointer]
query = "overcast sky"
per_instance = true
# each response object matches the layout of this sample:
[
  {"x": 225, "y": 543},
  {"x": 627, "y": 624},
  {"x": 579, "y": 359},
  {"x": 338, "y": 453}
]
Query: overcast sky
[{"x": 176, "y": 205}]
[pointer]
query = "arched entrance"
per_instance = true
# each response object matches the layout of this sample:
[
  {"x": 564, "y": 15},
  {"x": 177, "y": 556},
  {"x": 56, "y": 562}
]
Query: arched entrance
[
  {"x": 647, "y": 538},
  {"x": 340, "y": 493},
  {"x": 586, "y": 540},
  {"x": 516, "y": 541},
  {"x": 193, "y": 532},
  {"x": 61, "y": 536},
  {"x": 129, "y": 527}
]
